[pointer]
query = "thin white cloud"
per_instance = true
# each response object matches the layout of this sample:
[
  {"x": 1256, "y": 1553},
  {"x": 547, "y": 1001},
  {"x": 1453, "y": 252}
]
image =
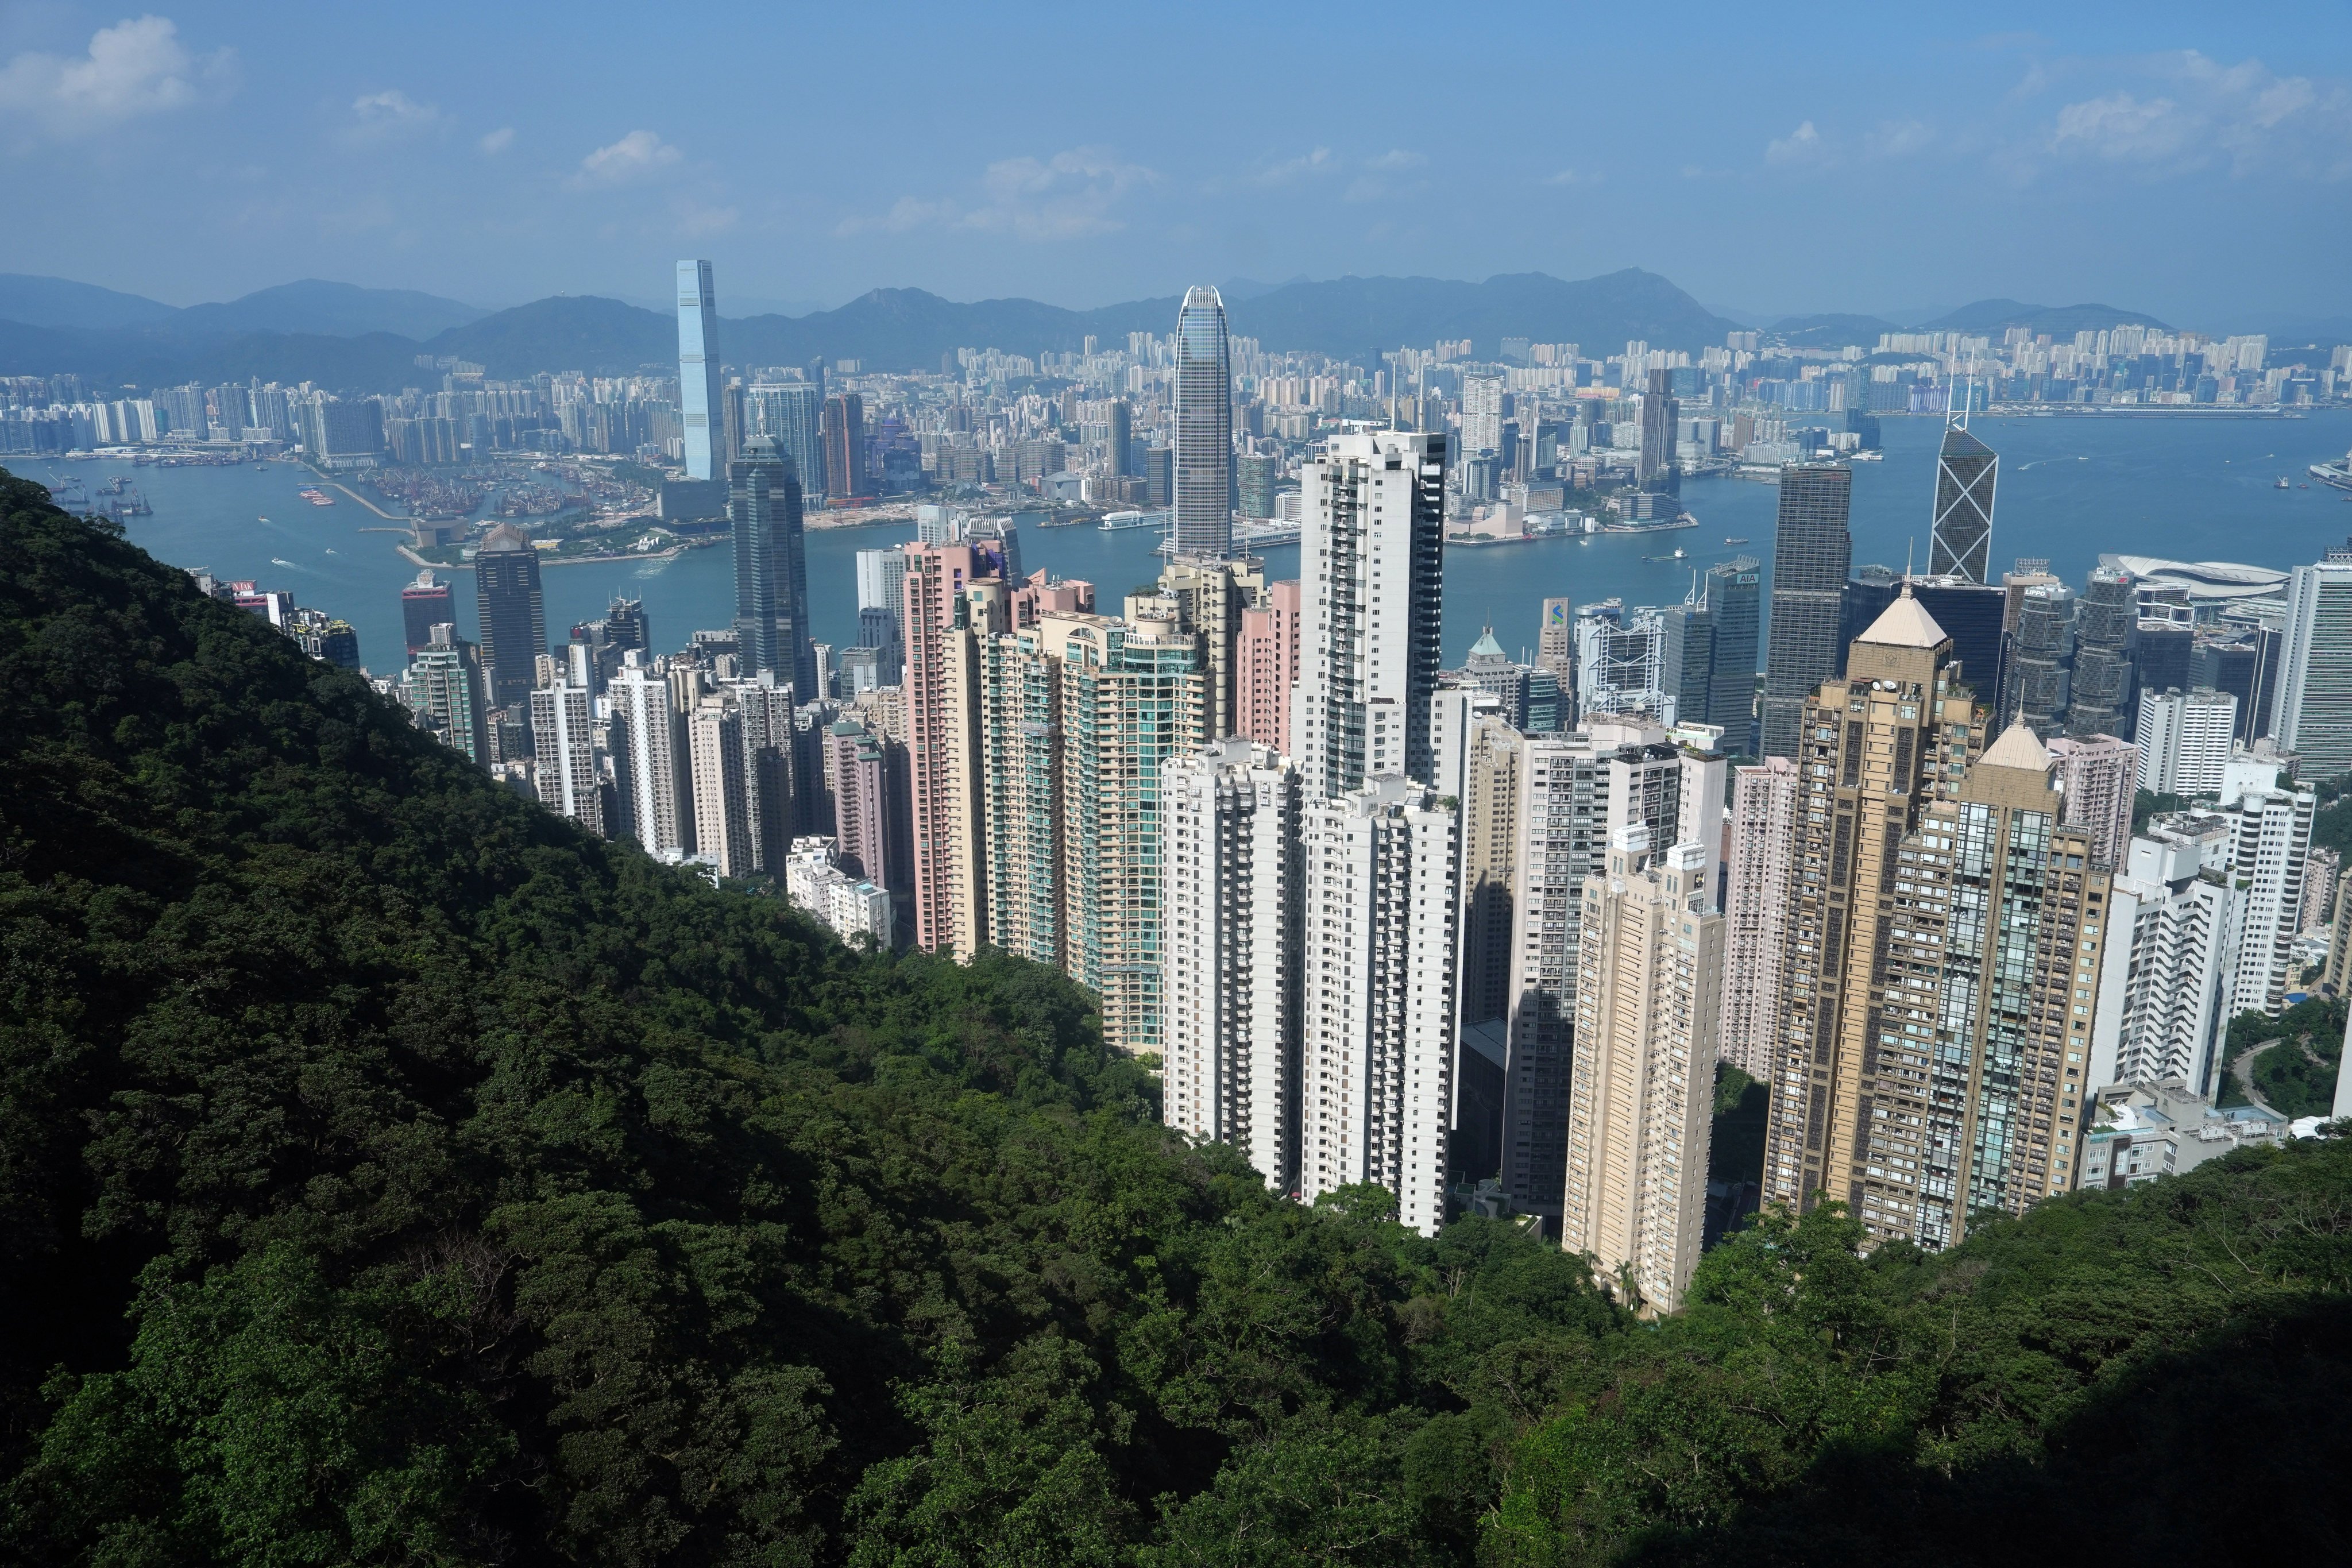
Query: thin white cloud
[
  {"x": 1290, "y": 170},
  {"x": 497, "y": 141},
  {"x": 632, "y": 157},
  {"x": 1802, "y": 146},
  {"x": 1070, "y": 196},
  {"x": 2120, "y": 126},
  {"x": 1573, "y": 177},
  {"x": 1396, "y": 159},
  {"x": 2191, "y": 112},
  {"x": 388, "y": 116},
  {"x": 1898, "y": 138},
  {"x": 134, "y": 68}
]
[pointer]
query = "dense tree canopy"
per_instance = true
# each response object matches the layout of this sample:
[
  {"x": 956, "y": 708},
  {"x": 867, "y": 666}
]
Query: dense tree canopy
[{"x": 391, "y": 1173}]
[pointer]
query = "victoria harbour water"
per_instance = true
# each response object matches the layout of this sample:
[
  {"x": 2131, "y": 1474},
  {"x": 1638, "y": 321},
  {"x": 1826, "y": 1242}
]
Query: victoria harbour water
[{"x": 2192, "y": 489}]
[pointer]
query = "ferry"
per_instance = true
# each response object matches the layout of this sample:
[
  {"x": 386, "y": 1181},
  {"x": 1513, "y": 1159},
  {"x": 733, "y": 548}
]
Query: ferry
[{"x": 1735, "y": 539}]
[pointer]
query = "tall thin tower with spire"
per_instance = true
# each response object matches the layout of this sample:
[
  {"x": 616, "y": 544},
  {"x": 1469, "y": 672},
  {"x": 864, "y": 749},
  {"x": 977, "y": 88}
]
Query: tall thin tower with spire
[
  {"x": 1960, "y": 541},
  {"x": 1205, "y": 427},
  {"x": 701, "y": 402}
]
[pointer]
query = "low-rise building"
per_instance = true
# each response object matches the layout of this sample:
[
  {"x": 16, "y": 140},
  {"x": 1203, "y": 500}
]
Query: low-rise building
[
  {"x": 852, "y": 906},
  {"x": 2147, "y": 1131}
]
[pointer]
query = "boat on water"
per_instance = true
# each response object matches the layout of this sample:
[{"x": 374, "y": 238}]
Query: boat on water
[
  {"x": 1735, "y": 539},
  {"x": 1677, "y": 555},
  {"x": 2281, "y": 483}
]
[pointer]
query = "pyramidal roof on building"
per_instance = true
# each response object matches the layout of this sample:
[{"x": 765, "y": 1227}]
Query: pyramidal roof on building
[
  {"x": 2018, "y": 748},
  {"x": 1906, "y": 622},
  {"x": 1487, "y": 647}
]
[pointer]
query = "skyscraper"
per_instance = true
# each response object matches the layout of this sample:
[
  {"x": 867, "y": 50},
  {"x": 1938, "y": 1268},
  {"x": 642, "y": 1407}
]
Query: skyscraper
[
  {"x": 1811, "y": 554},
  {"x": 443, "y": 687},
  {"x": 563, "y": 745},
  {"x": 701, "y": 398},
  {"x": 1687, "y": 657},
  {"x": 1734, "y": 593},
  {"x": 1118, "y": 433},
  {"x": 1577, "y": 790},
  {"x": 764, "y": 509},
  {"x": 955, "y": 594},
  {"x": 881, "y": 609},
  {"x": 1986, "y": 1107},
  {"x": 1376, "y": 1071},
  {"x": 1621, "y": 662},
  {"x": 648, "y": 727},
  {"x": 1658, "y": 456},
  {"x": 2098, "y": 775},
  {"x": 514, "y": 616},
  {"x": 722, "y": 806},
  {"x": 2270, "y": 830},
  {"x": 1372, "y": 575},
  {"x": 1556, "y": 648},
  {"x": 1205, "y": 427},
  {"x": 2185, "y": 737},
  {"x": 1649, "y": 974},
  {"x": 1212, "y": 598},
  {"x": 845, "y": 445},
  {"x": 856, "y": 761},
  {"x": 1960, "y": 539},
  {"x": 2037, "y": 679},
  {"x": 1230, "y": 979},
  {"x": 2166, "y": 994},
  {"x": 423, "y": 605},
  {"x": 1756, "y": 913},
  {"x": 763, "y": 707},
  {"x": 1267, "y": 667},
  {"x": 2099, "y": 694},
  {"x": 2313, "y": 712},
  {"x": 1481, "y": 414},
  {"x": 793, "y": 413}
]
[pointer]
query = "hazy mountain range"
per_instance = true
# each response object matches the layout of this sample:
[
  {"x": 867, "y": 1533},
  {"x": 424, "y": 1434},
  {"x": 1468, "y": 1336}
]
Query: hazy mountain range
[{"x": 357, "y": 338}]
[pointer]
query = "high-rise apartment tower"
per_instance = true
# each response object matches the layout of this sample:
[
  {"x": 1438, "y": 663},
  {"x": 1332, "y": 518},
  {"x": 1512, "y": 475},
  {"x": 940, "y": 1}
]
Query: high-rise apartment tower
[{"x": 1372, "y": 576}]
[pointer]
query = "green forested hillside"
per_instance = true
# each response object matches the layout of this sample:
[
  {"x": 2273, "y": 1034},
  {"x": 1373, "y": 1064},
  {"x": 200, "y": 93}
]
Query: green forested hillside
[{"x": 390, "y": 1173}]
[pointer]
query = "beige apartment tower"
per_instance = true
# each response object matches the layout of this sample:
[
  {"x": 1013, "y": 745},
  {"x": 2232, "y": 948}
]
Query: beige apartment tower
[{"x": 1642, "y": 1090}]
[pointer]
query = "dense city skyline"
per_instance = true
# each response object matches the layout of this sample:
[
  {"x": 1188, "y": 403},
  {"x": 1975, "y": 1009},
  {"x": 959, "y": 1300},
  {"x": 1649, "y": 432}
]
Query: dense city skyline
[
  {"x": 1825, "y": 151},
  {"x": 1114, "y": 786}
]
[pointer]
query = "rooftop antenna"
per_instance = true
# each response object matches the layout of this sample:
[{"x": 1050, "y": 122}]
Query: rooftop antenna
[
  {"x": 1958, "y": 418},
  {"x": 1910, "y": 543}
]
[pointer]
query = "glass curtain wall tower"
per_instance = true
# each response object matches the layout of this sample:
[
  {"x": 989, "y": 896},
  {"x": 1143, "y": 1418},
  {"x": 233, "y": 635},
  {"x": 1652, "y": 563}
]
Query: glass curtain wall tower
[
  {"x": 1205, "y": 427},
  {"x": 771, "y": 625},
  {"x": 1960, "y": 541},
  {"x": 700, "y": 404},
  {"x": 1809, "y": 569}
]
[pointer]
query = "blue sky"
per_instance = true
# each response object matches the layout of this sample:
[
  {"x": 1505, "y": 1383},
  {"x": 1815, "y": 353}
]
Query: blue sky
[{"x": 2194, "y": 162}]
